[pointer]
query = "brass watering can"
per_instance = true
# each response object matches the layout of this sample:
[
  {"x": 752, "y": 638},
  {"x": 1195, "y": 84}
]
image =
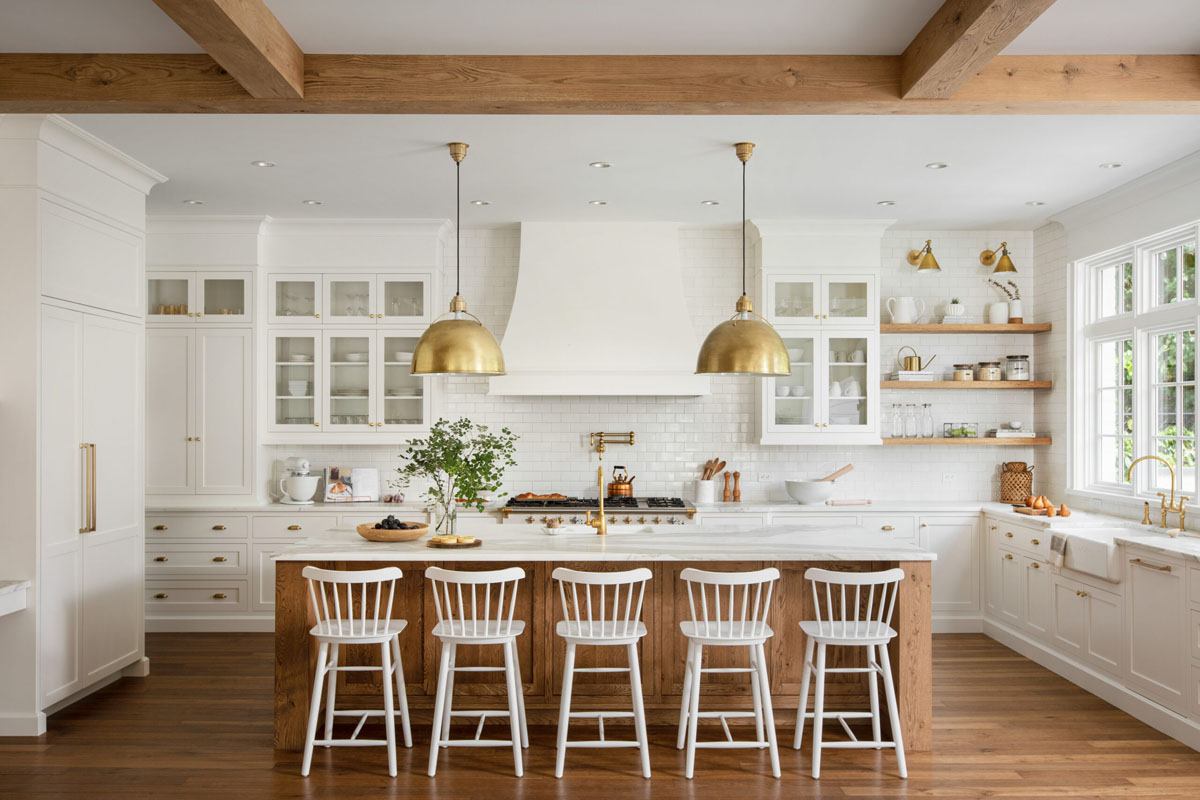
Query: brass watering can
[{"x": 912, "y": 363}]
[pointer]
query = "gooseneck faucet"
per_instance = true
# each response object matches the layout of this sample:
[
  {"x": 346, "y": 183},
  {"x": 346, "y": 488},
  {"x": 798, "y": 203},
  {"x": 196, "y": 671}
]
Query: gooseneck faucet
[
  {"x": 599, "y": 440},
  {"x": 1166, "y": 507}
]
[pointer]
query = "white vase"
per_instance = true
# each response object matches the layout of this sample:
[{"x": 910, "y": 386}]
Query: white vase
[
  {"x": 955, "y": 310},
  {"x": 998, "y": 313},
  {"x": 1015, "y": 312}
]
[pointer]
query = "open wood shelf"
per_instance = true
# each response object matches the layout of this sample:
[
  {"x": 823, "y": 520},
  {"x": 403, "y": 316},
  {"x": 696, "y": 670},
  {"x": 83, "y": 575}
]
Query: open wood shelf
[
  {"x": 1026, "y": 327},
  {"x": 978, "y": 441},
  {"x": 966, "y": 384}
]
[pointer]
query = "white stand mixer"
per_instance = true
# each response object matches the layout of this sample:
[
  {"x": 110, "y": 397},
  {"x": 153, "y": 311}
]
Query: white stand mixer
[{"x": 298, "y": 487}]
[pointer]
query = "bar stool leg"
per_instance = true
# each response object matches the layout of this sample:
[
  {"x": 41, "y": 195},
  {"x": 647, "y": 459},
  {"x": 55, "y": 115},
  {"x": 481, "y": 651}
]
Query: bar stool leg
[
  {"x": 389, "y": 709},
  {"x": 331, "y": 693},
  {"x": 449, "y": 692},
  {"x": 514, "y": 710},
  {"x": 439, "y": 708},
  {"x": 564, "y": 709},
  {"x": 314, "y": 709},
  {"x": 818, "y": 711},
  {"x": 873, "y": 695},
  {"x": 805, "y": 676},
  {"x": 889, "y": 690},
  {"x": 756, "y": 697},
  {"x": 693, "y": 710},
  {"x": 768, "y": 708},
  {"x": 686, "y": 698},
  {"x": 520, "y": 696},
  {"x": 402, "y": 688},
  {"x": 639, "y": 709}
]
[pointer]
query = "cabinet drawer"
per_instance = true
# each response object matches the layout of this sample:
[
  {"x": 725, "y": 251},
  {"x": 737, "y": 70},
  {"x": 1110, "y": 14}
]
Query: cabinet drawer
[
  {"x": 201, "y": 526},
  {"x": 898, "y": 527},
  {"x": 1194, "y": 633},
  {"x": 284, "y": 526},
  {"x": 195, "y": 559},
  {"x": 194, "y": 597},
  {"x": 731, "y": 520},
  {"x": 1028, "y": 540},
  {"x": 827, "y": 520}
]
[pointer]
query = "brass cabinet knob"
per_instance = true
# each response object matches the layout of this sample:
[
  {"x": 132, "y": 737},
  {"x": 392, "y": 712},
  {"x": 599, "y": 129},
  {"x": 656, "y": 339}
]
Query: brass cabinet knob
[
  {"x": 1036, "y": 565},
  {"x": 316, "y": 424},
  {"x": 293, "y": 527},
  {"x": 317, "y": 316},
  {"x": 219, "y": 559},
  {"x": 992, "y": 528},
  {"x": 561, "y": 520},
  {"x": 218, "y": 527},
  {"x": 196, "y": 439},
  {"x": 924, "y": 524},
  {"x": 1008, "y": 556},
  {"x": 161, "y": 558},
  {"x": 220, "y": 596},
  {"x": 161, "y": 596},
  {"x": 1034, "y": 542},
  {"x": 657, "y": 520},
  {"x": 160, "y": 527},
  {"x": 1008, "y": 534},
  {"x": 199, "y": 313},
  {"x": 1083, "y": 594},
  {"x": 889, "y": 527}
]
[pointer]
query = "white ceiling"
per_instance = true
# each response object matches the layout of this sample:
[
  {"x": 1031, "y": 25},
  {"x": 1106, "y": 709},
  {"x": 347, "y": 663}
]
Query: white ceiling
[
  {"x": 595, "y": 26},
  {"x": 536, "y": 167}
]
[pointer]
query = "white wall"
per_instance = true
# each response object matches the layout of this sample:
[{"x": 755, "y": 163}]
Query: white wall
[{"x": 676, "y": 435}]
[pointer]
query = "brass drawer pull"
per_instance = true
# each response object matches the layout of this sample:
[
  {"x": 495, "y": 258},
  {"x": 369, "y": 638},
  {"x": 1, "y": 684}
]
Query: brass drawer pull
[
  {"x": 218, "y": 527},
  {"x": 294, "y": 527},
  {"x": 1008, "y": 556},
  {"x": 220, "y": 596},
  {"x": 160, "y": 527},
  {"x": 889, "y": 527},
  {"x": 1008, "y": 534},
  {"x": 161, "y": 558},
  {"x": 1036, "y": 565},
  {"x": 1081, "y": 594},
  {"x": 219, "y": 559},
  {"x": 992, "y": 528},
  {"x": 1141, "y": 563},
  {"x": 161, "y": 596},
  {"x": 1034, "y": 542}
]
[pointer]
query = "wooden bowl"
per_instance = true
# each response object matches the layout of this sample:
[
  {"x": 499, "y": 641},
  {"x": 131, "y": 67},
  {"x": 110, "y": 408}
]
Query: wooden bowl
[{"x": 371, "y": 533}]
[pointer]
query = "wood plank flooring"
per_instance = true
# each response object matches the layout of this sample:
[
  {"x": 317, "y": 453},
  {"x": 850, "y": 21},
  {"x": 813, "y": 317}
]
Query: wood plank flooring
[{"x": 201, "y": 726}]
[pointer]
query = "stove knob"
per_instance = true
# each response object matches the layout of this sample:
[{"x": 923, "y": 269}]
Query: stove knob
[
  {"x": 561, "y": 520},
  {"x": 545, "y": 520},
  {"x": 658, "y": 520},
  {"x": 642, "y": 520},
  {"x": 628, "y": 520},
  {"x": 674, "y": 520},
  {"x": 529, "y": 520},
  {"x": 612, "y": 520},
  {"x": 574, "y": 520}
]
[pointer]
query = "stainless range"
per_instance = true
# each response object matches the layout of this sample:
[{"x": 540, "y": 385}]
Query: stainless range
[{"x": 620, "y": 510}]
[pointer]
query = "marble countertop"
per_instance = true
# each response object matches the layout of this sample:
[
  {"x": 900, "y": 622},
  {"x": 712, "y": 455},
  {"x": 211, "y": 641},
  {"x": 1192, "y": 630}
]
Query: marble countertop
[
  {"x": 1187, "y": 547},
  {"x": 644, "y": 543},
  {"x": 255, "y": 507},
  {"x": 884, "y": 506},
  {"x": 8, "y": 587}
]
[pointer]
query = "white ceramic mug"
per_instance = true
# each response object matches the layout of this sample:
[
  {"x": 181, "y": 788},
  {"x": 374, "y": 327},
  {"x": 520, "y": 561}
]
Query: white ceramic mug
[
  {"x": 706, "y": 491},
  {"x": 905, "y": 310},
  {"x": 998, "y": 313}
]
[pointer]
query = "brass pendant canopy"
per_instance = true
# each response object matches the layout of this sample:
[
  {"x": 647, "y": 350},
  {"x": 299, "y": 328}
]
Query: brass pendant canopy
[
  {"x": 925, "y": 258},
  {"x": 459, "y": 344},
  {"x": 745, "y": 344},
  {"x": 1003, "y": 264}
]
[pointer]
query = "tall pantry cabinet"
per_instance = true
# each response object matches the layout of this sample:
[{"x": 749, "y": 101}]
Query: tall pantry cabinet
[{"x": 72, "y": 219}]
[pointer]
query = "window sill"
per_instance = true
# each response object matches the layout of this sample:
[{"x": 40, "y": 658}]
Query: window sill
[{"x": 1123, "y": 504}]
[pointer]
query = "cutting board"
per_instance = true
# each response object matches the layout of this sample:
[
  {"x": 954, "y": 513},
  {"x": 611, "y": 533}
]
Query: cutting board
[{"x": 1033, "y": 512}]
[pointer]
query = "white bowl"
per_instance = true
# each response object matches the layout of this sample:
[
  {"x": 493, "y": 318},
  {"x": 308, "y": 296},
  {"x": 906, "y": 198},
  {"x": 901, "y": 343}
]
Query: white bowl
[
  {"x": 399, "y": 356},
  {"x": 356, "y": 356},
  {"x": 301, "y": 358},
  {"x": 809, "y": 492},
  {"x": 297, "y": 388},
  {"x": 796, "y": 354},
  {"x": 782, "y": 391},
  {"x": 1015, "y": 424}
]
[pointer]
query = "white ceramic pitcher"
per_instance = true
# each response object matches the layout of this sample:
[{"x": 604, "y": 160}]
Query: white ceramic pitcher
[{"x": 905, "y": 310}]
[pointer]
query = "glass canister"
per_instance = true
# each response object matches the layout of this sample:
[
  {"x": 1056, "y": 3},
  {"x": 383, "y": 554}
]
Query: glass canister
[
  {"x": 1017, "y": 368},
  {"x": 990, "y": 371},
  {"x": 964, "y": 372}
]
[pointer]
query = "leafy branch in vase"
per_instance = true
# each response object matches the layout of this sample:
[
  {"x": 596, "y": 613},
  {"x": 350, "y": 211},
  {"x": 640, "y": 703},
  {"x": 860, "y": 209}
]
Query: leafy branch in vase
[{"x": 1009, "y": 288}]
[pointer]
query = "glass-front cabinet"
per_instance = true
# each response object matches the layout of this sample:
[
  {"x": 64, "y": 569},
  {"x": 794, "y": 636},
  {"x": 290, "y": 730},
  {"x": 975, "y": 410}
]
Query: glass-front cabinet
[
  {"x": 193, "y": 296},
  {"x": 394, "y": 298},
  {"x": 349, "y": 384},
  {"x": 403, "y": 399},
  {"x": 403, "y": 298},
  {"x": 807, "y": 299},
  {"x": 349, "y": 298},
  {"x": 297, "y": 381},
  {"x": 294, "y": 299}
]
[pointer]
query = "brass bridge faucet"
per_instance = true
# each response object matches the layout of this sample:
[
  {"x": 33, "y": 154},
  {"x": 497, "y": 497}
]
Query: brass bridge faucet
[
  {"x": 599, "y": 440},
  {"x": 1174, "y": 506}
]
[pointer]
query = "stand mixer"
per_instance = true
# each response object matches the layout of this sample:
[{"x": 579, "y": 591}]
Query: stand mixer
[{"x": 298, "y": 487}]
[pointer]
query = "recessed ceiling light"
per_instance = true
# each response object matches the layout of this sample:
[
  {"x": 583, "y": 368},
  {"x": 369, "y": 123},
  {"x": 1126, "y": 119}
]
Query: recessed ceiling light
[
  {"x": 936, "y": 165},
  {"x": 1034, "y": 203},
  {"x": 481, "y": 202},
  {"x": 262, "y": 163},
  {"x": 313, "y": 202},
  {"x": 600, "y": 164},
  {"x": 1111, "y": 165},
  {"x": 710, "y": 202},
  {"x": 194, "y": 202},
  {"x": 885, "y": 202},
  {"x": 598, "y": 202}
]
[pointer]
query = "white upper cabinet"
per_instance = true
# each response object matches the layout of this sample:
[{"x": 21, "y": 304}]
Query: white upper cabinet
[
  {"x": 294, "y": 299},
  {"x": 403, "y": 402},
  {"x": 191, "y": 297},
  {"x": 297, "y": 381},
  {"x": 88, "y": 261},
  {"x": 803, "y": 298},
  {"x": 404, "y": 298},
  {"x": 349, "y": 381},
  {"x": 349, "y": 298},
  {"x": 366, "y": 298}
]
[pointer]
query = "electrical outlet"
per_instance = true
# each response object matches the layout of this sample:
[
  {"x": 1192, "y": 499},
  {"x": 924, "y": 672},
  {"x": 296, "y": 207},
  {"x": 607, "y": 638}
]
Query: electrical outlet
[
  {"x": 765, "y": 477},
  {"x": 948, "y": 477}
]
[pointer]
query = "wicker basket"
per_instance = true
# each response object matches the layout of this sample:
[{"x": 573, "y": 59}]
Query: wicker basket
[{"x": 1015, "y": 484}]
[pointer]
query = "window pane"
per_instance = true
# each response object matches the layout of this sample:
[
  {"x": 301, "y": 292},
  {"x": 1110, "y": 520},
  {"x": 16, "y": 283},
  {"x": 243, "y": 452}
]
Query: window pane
[
  {"x": 1127, "y": 363},
  {"x": 1111, "y": 414},
  {"x": 1166, "y": 276},
  {"x": 1166, "y": 419},
  {"x": 1189, "y": 271},
  {"x": 1107, "y": 291},
  {"x": 1127, "y": 286},
  {"x": 1187, "y": 355},
  {"x": 1164, "y": 355},
  {"x": 1188, "y": 412}
]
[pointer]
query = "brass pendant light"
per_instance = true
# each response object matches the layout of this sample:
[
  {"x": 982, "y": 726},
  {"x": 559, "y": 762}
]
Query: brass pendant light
[
  {"x": 743, "y": 345},
  {"x": 460, "y": 344}
]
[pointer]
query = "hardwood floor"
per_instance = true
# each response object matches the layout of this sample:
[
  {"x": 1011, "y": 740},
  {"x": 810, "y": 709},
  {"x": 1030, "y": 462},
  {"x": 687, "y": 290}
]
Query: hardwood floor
[{"x": 201, "y": 726}]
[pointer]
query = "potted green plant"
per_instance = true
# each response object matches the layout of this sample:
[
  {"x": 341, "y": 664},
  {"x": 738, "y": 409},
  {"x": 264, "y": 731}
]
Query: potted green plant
[
  {"x": 461, "y": 461},
  {"x": 955, "y": 308}
]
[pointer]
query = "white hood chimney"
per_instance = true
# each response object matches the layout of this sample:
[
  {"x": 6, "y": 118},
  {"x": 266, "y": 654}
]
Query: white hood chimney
[{"x": 600, "y": 310}]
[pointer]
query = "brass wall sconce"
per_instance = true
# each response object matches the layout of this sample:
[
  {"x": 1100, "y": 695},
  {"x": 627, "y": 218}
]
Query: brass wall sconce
[
  {"x": 1003, "y": 264},
  {"x": 925, "y": 258}
]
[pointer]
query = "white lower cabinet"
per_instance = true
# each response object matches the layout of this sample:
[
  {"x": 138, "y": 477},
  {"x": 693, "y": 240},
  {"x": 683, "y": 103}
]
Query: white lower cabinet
[
  {"x": 1037, "y": 589},
  {"x": 1155, "y": 602},
  {"x": 738, "y": 520},
  {"x": 1087, "y": 624},
  {"x": 956, "y": 584}
]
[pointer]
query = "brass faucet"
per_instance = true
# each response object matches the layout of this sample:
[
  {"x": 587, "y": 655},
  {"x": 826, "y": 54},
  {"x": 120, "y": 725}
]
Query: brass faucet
[
  {"x": 599, "y": 441},
  {"x": 1173, "y": 506}
]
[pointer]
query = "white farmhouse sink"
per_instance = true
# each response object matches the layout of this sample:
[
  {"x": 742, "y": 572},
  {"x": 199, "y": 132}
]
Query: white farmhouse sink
[{"x": 1093, "y": 552}]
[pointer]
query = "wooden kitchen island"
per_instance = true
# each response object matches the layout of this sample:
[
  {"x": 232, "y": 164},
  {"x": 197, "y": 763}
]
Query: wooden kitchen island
[{"x": 666, "y": 551}]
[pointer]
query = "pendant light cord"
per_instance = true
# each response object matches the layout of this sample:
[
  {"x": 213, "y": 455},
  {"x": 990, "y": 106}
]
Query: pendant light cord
[
  {"x": 743, "y": 227},
  {"x": 458, "y": 229}
]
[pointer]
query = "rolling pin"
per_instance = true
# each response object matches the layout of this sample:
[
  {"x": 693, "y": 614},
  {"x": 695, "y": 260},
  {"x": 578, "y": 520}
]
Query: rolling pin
[
  {"x": 737, "y": 487},
  {"x": 726, "y": 495},
  {"x": 847, "y": 502}
]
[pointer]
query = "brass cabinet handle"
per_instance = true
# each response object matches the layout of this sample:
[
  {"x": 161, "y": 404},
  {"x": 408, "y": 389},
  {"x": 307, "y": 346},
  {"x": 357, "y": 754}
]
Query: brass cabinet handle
[
  {"x": 889, "y": 527},
  {"x": 1008, "y": 534},
  {"x": 219, "y": 559},
  {"x": 1036, "y": 565},
  {"x": 220, "y": 596},
  {"x": 992, "y": 528},
  {"x": 161, "y": 558},
  {"x": 1008, "y": 556},
  {"x": 924, "y": 524},
  {"x": 161, "y": 596},
  {"x": 191, "y": 438},
  {"x": 1141, "y": 563},
  {"x": 293, "y": 527},
  {"x": 218, "y": 527},
  {"x": 1034, "y": 542},
  {"x": 160, "y": 527},
  {"x": 199, "y": 313},
  {"x": 1080, "y": 594},
  {"x": 197, "y": 439}
]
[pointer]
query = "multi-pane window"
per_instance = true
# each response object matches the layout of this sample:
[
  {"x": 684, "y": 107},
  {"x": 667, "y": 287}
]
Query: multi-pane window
[
  {"x": 1173, "y": 398},
  {"x": 1114, "y": 395},
  {"x": 1174, "y": 273},
  {"x": 1114, "y": 288}
]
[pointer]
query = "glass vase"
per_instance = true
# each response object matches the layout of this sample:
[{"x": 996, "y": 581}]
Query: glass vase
[{"x": 448, "y": 522}]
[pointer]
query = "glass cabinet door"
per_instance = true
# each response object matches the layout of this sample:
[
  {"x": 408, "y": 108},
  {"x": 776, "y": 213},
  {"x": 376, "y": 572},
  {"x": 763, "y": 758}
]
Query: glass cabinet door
[
  {"x": 849, "y": 394},
  {"x": 349, "y": 358},
  {"x": 848, "y": 300},
  {"x": 403, "y": 298},
  {"x": 170, "y": 297},
  {"x": 792, "y": 299},
  {"x": 793, "y": 402},
  {"x": 403, "y": 397},
  {"x": 224, "y": 296},
  {"x": 349, "y": 298},
  {"x": 296, "y": 357},
  {"x": 295, "y": 299}
]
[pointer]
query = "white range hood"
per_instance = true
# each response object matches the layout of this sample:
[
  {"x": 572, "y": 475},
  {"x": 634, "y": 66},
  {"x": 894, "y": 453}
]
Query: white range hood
[{"x": 600, "y": 310}]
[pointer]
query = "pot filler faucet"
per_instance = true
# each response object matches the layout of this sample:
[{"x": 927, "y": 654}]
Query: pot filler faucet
[
  {"x": 599, "y": 440},
  {"x": 1173, "y": 506}
]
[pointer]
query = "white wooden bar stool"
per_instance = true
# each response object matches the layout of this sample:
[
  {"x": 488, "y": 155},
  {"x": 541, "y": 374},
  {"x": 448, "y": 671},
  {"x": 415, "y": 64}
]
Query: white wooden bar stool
[
  {"x": 729, "y": 609},
  {"x": 608, "y": 615},
  {"x": 863, "y": 620},
  {"x": 476, "y": 608},
  {"x": 355, "y": 607}
]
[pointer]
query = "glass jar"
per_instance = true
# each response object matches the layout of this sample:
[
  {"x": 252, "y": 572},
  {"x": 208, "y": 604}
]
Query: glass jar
[
  {"x": 964, "y": 372},
  {"x": 927, "y": 421},
  {"x": 1017, "y": 368},
  {"x": 912, "y": 422},
  {"x": 990, "y": 371}
]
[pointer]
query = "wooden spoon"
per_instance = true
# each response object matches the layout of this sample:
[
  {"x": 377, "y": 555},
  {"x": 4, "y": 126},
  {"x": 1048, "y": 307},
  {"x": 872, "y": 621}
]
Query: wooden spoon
[
  {"x": 719, "y": 467},
  {"x": 833, "y": 476}
]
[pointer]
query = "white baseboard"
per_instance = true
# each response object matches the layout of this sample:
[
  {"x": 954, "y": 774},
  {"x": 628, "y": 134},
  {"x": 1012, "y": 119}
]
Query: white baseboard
[
  {"x": 214, "y": 624},
  {"x": 957, "y": 624},
  {"x": 1103, "y": 686},
  {"x": 23, "y": 724},
  {"x": 138, "y": 669}
]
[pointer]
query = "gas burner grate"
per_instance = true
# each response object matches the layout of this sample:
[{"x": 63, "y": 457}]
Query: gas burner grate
[{"x": 664, "y": 502}]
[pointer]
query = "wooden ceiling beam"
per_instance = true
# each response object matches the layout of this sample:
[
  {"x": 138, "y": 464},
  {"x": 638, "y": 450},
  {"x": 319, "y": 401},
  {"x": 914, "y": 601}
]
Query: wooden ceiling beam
[
  {"x": 958, "y": 41},
  {"x": 246, "y": 39},
  {"x": 364, "y": 84}
]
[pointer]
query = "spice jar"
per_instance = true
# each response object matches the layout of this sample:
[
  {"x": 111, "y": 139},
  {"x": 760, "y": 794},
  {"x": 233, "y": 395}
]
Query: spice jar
[
  {"x": 1017, "y": 368},
  {"x": 964, "y": 372},
  {"x": 990, "y": 371}
]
